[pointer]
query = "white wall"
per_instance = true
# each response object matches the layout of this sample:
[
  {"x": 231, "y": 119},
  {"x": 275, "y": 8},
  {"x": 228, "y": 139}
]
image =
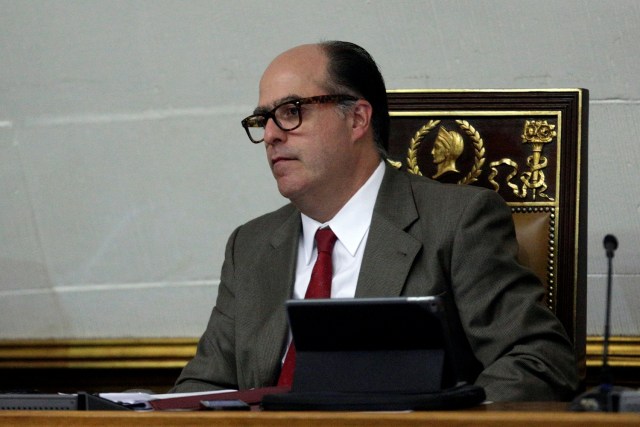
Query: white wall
[{"x": 123, "y": 165}]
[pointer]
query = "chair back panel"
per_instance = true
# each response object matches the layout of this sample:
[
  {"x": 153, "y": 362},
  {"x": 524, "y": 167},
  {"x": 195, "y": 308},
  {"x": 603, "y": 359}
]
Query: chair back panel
[{"x": 532, "y": 232}]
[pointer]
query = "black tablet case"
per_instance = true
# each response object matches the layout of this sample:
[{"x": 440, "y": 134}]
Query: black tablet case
[{"x": 372, "y": 354}]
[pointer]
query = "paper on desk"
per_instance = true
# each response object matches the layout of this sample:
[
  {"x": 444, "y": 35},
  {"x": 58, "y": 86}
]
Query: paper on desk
[
  {"x": 140, "y": 401},
  {"x": 197, "y": 393}
]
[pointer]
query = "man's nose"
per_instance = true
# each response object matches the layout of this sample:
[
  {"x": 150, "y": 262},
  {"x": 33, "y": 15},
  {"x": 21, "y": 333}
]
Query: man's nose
[{"x": 272, "y": 133}]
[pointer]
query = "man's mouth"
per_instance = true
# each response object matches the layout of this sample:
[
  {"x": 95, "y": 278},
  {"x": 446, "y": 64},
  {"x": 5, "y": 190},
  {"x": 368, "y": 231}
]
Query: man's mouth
[{"x": 280, "y": 159}]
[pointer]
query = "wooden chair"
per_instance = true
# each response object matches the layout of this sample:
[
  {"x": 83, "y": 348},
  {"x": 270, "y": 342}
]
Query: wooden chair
[{"x": 531, "y": 147}]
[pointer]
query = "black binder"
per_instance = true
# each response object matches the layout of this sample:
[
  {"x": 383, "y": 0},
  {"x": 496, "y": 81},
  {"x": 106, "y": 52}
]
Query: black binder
[{"x": 57, "y": 402}]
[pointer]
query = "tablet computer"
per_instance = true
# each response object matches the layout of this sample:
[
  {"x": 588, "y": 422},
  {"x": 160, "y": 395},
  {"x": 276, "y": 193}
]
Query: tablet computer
[{"x": 371, "y": 344}]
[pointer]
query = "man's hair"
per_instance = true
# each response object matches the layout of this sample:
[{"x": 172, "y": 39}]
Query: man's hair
[{"x": 350, "y": 68}]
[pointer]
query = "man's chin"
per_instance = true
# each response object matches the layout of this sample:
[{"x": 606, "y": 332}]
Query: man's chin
[{"x": 288, "y": 189}]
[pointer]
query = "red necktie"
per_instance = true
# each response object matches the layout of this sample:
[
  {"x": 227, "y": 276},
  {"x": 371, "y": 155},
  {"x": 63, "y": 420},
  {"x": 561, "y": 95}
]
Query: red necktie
[{"x": 319, "y": 287}]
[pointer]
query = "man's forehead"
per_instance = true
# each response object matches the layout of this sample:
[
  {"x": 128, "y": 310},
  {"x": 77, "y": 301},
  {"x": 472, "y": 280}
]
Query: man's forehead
[
  {"x": 297, "y": 73},
  {"x": 273, "y": 95}
]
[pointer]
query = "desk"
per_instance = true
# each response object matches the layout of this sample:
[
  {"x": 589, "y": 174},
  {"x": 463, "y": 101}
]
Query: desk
[{"x": 514, "y": 414}]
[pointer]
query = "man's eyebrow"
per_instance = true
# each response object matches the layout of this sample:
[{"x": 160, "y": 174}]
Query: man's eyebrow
[
  {"x": 265, "y": 109},
  {"x": 261, "y": 110}
]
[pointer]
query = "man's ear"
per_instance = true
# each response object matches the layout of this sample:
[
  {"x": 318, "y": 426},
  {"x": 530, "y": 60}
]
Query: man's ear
[{"x": 362, "y": 112}]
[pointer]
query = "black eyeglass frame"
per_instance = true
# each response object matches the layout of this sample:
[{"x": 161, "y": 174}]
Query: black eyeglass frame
[{"x": 297, "y": 103}]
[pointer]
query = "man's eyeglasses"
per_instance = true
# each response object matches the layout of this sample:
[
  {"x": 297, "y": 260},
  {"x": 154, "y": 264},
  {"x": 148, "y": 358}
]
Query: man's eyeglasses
[{"x": 287, "y": 116}]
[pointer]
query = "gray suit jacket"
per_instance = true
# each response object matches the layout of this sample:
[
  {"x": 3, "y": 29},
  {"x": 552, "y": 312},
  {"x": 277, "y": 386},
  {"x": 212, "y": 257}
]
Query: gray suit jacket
[{"x": 426, "y": 238}]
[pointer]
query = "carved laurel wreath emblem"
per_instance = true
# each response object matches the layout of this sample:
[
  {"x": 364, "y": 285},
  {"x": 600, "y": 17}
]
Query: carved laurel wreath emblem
[{"x": 478, "y": 147}]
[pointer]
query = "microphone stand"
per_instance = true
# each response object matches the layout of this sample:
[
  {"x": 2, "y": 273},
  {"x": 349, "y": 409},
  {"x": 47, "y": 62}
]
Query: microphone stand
[
  {"x": 607, "y": 397},
  {"x": 606, "y": 377},
  {"x": 602, "y": 398}
]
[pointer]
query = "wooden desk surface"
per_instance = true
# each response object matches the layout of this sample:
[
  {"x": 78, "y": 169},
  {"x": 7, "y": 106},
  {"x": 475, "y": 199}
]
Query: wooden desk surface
[{"x": 516, "y": 415}]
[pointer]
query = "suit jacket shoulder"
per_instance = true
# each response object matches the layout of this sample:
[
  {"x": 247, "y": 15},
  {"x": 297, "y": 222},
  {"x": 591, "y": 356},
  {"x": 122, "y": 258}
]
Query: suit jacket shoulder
[{"x": 459, "y": 242}]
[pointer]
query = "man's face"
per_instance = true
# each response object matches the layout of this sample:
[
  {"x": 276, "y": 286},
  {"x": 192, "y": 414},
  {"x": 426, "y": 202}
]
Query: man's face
[{"x": 313, "y": 159}]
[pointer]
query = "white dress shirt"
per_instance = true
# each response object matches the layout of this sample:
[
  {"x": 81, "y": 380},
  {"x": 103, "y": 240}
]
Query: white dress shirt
[{"x": 351, "y": 226}]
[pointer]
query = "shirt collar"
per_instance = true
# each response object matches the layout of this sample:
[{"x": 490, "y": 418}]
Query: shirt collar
[{"x": 352, "y": 222}]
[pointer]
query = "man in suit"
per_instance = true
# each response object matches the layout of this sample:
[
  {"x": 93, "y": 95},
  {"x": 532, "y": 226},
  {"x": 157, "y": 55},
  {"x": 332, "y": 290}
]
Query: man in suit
[{"x": 398, "y": 234}]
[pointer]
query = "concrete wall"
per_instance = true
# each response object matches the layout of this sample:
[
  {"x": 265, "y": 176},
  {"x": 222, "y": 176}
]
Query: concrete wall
[{"x": 123, "y": 165}]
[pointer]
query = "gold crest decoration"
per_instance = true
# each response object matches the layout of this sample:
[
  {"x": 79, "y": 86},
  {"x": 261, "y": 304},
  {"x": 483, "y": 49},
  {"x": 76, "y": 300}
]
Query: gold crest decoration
[
  {"x": 478, "y": 145},
  {"x": 537, "y": 133}
]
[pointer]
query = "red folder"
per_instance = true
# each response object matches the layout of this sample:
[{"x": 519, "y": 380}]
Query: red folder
[{"x": 252, "y": 397}]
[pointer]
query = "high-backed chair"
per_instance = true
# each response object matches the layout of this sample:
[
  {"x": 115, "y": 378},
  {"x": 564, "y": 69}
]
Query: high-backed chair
[{"x": 531, "y": 147}]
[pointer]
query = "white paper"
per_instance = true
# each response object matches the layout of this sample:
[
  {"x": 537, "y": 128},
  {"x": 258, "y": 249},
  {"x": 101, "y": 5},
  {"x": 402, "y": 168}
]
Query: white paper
[{"x": 140, "y": 401}]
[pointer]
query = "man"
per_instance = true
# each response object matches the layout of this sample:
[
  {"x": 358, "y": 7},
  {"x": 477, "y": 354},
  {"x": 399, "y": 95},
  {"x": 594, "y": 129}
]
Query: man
[{"x": 398, "y": 234}]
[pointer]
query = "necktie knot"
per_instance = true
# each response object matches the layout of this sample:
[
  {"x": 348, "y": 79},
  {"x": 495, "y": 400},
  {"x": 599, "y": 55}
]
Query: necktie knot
[{"x": 325, "y": 239}]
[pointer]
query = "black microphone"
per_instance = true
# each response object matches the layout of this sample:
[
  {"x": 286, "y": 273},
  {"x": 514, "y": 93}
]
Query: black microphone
[{"x": 610, "y": 244}]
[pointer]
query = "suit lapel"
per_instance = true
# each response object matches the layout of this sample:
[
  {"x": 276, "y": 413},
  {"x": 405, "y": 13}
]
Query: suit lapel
[
  {"x": 390, "y": 250},
  {"x": 278, "y": 268}
]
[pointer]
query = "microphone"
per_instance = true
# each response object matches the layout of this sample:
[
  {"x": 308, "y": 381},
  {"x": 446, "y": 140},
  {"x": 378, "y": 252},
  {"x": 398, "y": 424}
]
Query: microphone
[
  {"x": 606, "y": 397},
  {"x": 610, "y": 244}
]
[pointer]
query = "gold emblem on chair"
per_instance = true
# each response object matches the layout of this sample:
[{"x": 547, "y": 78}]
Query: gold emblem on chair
[
  {"x": 448, "y": 146},
  {"x": 446, "y": 150},
  {"x": 537, "y": 133}
]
